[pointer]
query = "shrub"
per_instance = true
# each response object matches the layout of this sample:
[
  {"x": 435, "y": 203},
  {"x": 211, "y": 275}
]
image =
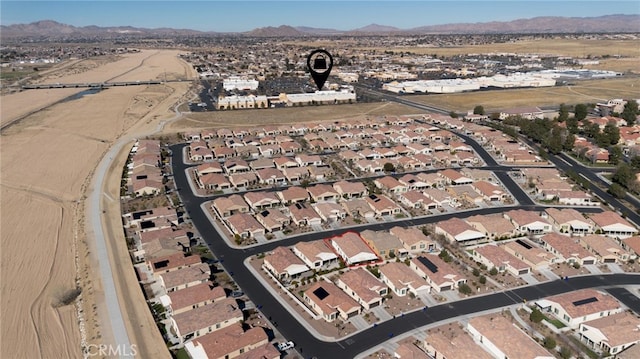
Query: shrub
[
  {"x": 493, "y": 271},
  {"x": 464, "y": 289},
  {"x": 482, "y": 279},
  {"x": 536, "y": 315},
  {"x": 549, "y": 343}
]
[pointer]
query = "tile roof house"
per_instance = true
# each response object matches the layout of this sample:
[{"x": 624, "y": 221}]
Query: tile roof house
[
  {"x": 413, "y": 182},
  {"x": 573, "y": 308},
  {"x": 494, "y": 256},
  {"x": 271, "y": 176},
  {"x": 350, "y": 189},
  {"x": 358, "y": 208},
  {"x": 441, "y": 198},
  {"x": 489, "y": 191},
  {"x": 293, "y": 194},
  {"x": 568, "y": 220},
  {"x": 606, "y": 249},
  {"x": 236, "y": 165},
  {"x": 352, "y": 249},
  {"x": 328, "y": 301},
  {"x": 316, "y": 255},
  {"x": 416, "y": 199},
  {"x": 528, "y": 222},
  {"x": 494, "y": 226},
  {"x": 413, "y": 239},
  {"x": 613, "y": 225},
  {"x": 285, "y": 265},
  {"x": 209, "y": 167},
  {"x": 172, "y": 262},
  {"x": 245, "y": 225},
  {"x": 530, "y": 253},
  {"x": 382, "y": 205},
  {"x": 453, "y": 344},
  {"x": 454, "y": 177},
  {"x": 243, "y": 180},
  {"x": 384, "y": 244},
  {"x": 228, "y": 206},
  {"x": 402, "y": 280},
  {"x": 612, "y": 334},
  {"x": 323, "y": 193},
  {"x": 273, "y": 219},
  {"x": 409, "y": 350},
  {"x": 567, "y": 249},
  {"x": 458, "y": 231},
  {"x": 214, "y": 182},
  {"x": 440, "y": 275},
  {"x": 193, "y": 297},
  {"x": 329, "y": 211},
  {"x": 295, "y": 174},
  {"x": 185, "y": 277},
  {"x": 503, "y": 339},
  {"x": 632, "y": 244},
  {"x": 228, "y": 343},
  {"x": 261, "y": 200},
  {"x": 303, "y": 215},
  {"x": 390, "y": 185},
  {"x": 363, "y": 287}
]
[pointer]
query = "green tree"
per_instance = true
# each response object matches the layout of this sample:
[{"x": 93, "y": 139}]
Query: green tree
[
  {"x": 572, "y": 125},
  {"x": 563, "y": 113},
  {"x": 635, "y": 162},
  {"x": 580, "y": 111},
  {"x": 630, "y": 112},
  {"x": 476, "y": 272},
  {"x": 624, "y": 175},
  {"x": 549, "y": 342},
  {"x": 445, "y": 256},
  {"x": 554, "y": 142},
  {"x": 565, "y": 352},
  {"x": 389, "y": 167},
  {"x": 569, "y": 140},
  {"x": 453, "y": 114},
  {"x": 612, "y": 133},
  {"x": 536, "y": 315},
  {"x": 617, "y": 190},
  {"x": 615, "y": 155},
  {"x": 464, "y": 288},
  {"x": 495, "y": 116},
  {"x": 493, "y": 271},
  {"x": 482, "y": 279},
  {"x": 478, "y": 110}
]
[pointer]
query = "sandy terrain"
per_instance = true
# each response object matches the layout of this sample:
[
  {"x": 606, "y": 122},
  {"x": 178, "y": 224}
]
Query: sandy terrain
[{"x": 47, "y": 163}]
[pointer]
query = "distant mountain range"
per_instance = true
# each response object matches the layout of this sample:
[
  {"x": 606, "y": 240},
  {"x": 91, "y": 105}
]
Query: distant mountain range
[{"x": 547, "y": 24}]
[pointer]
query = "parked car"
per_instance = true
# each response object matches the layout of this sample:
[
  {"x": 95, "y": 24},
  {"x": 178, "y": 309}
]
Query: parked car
[{"x": 285, "y": 346}]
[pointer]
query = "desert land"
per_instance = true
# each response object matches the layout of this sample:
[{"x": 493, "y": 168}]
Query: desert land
[{"x": 49, "y": 154}]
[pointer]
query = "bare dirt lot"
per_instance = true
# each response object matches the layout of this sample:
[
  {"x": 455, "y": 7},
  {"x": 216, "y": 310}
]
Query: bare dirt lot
[{"x": 48, "y": 159}]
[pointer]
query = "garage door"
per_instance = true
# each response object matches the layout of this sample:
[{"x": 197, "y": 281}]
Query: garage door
[
  {"x": 610, "y": 260},
  {"x": 588, "y": 262}
]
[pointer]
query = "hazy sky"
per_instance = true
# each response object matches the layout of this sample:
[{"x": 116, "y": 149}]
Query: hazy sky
[{"x": 230, "y": 16}]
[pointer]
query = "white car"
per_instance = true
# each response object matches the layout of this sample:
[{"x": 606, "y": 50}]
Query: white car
[{"x": 285, "y": 346}]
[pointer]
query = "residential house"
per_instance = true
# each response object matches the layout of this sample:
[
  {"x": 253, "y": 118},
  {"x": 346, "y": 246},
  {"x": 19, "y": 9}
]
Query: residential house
[
  {"x": 273, "y": 219},
  {"x": 330, "y": 211},
  {"x": 303, "y": 215},
  {"x": 530, "y": 253},
  {"x": 466, "y": 194},
  {"x": 632, "y": 244},
  {"x": 390, "y": 185},
  {"x": 441, "y": 343},
  {"x": 186, "y": 299},
  {"x": 504, "y": 339},
  {"x": 185, "y": 277},
  {"x": 402, "y": 280},
  {"x": 245, "y": 225},
  {"x": 409, "y": 350},
  {"x": 214, "y": 182},
  {"x": 611, "y": 334},
  {"x": 352, "y": 249},
  {"x": 458, "y": 231},
  {"x": 416, "y": 200},
  {"x": 316, "y": 255},
  {"x": 494, "y": 226},
  {"x": 285, "y": 265},
  {"x": 529, "y": 113},
  {"x": 567, "y": 248},
  {"x": 568, "y": 220},
  {"x": 331, "y": 303},
  {"x": 454, "y": 177},
  {"x": 350, "y": 189},
  {"x": 228, "y": 206},
  {"x": 308, "y": 160},
  {"x": 497, "y": 257},
  {"x": 363, "y": 287},
  {"x": 613, "y": 225},
  {"x": 358, "y": 208},
  {"x": 230, "y": 342},
  {"x": 528, "y": 222},
  {"x": 261, "y": 200},
  {"x": 606, "y": 249},
  {"x": 413, "y": 182},
  {"x": 413, "y": 239},
  {"x": 271, "y": 177},
  {"x": 440, "y": 275},
  {"x": 573, "y": 308},
  {"x": 209, "y": 167},
  {"x": 384, "y": 244},
  {"x": 262, "y": 163},
  {"x": 320, "y": 173},
  {"x": 382, "y": 205},
  {"x": 172, "y": 262},
  {"x": 295, "y": 174},
  {"x": 292, "y": 195},
  {"x": 243, "y": 180},
  {"x": 236, "y": 165},
  {"x": 489, "y": 191},
  {"x": 285, "y": 162},
  {"x": 323, "y": 193}
]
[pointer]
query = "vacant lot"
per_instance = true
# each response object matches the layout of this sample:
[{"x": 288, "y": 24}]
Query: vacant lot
[
  {"x": 590, "y": 91},
  {"x": 48, "y": 159},
  {"x": 216, "y": 119}
]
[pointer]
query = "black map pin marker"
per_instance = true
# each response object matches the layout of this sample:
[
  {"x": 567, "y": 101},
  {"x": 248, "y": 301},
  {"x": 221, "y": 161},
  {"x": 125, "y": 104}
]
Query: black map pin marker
[{"x": 319, "y": 63}]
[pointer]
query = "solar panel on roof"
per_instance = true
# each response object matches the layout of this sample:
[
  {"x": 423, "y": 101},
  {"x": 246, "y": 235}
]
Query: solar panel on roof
[
  {"x": 264, "y": 213},
  {"x": 321, "y": 293},
  {"x": 524, "y": 244},
  {"x": 427, "y": 263},
  {"x": 373, "y": 196},
  {"x": 585, "y": 301}
]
